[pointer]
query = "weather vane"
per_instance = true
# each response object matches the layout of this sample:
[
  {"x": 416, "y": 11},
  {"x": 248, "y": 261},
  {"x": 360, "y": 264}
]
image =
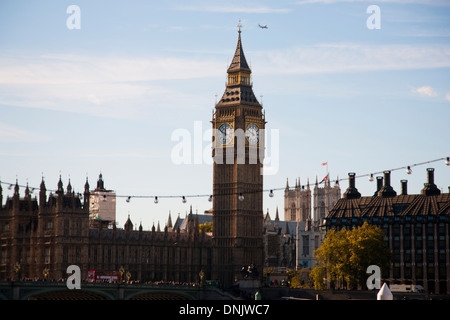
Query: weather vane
[{"x": 239, "y": 26}]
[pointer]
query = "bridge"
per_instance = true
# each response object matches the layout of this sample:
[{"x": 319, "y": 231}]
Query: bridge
[{"x": 43, "y": 290}]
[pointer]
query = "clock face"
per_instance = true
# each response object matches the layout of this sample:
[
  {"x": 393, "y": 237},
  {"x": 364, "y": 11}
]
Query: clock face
[
  {"x": 252, "y": 133},
  {"x": 225, "y": 133}
]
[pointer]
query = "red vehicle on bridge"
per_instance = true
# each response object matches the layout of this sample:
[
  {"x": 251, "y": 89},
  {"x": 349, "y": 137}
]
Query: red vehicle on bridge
[{"x": 103, "y": 276}]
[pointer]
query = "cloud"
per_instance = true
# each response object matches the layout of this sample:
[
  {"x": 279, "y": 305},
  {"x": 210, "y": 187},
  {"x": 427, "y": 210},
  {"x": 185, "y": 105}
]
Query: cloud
[
  {"x": 132, "y": 87},
  {"x": 425, "y": 91},
  {"x": 76, "y": 69},
  {"x": 234, "y": 9},
  {"x": 10, "y": 133},
  {"x": 103, "y": 86},
  {"x": 426, "y": 2},
  {"x": 447, "y": 96},
  {"x": 351, "y": 57}
]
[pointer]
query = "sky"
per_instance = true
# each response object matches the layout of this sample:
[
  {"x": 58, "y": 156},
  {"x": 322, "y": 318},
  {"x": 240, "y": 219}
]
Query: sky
[{"x": 108, "y": 91}]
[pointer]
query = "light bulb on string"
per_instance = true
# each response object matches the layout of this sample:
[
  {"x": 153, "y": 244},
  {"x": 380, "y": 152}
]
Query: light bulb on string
[{"x": 241, "y": 197}]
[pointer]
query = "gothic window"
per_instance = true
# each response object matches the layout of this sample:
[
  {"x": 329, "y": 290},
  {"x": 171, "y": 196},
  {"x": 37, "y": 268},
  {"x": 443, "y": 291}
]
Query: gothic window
[
  {"x": 47, "y": 255},
  {"x": 94, "y": 255},
  {"x": 322, "y": 209},
  {"x": 66, "y": 227},
  {"x": 3, "y": 257},
  {"x": 49, "y": 226},
  {"x": 108, "y": 255},
  {"x": 316, "y": 242},
  {"x": 65, "y": 255},
  {"x": 77, "y": 253},
  {"x": 293, "y": 218},
  {"x": 78, "y": 227},
  {"x": 305, "y": 240}
]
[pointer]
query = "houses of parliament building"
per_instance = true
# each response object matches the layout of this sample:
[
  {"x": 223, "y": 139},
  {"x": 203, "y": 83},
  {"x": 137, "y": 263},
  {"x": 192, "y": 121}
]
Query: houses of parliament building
[
  {"x": 40, "y": 239},
  {"x": 41, "y": 236}
]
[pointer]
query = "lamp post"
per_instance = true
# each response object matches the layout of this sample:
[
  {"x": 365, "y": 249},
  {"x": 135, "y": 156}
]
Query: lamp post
[
  {"x": 121, "y": 270},
  {"x": 45, "y": 273},
  {"x": 16, "y": 268},
  {"x": 201, "y": 275}
]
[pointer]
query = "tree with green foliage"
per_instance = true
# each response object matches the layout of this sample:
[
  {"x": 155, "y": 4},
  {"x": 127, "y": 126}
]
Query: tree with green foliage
[
  {"x": 300, "y": 278},
  {"x": 345, "y": 255}
]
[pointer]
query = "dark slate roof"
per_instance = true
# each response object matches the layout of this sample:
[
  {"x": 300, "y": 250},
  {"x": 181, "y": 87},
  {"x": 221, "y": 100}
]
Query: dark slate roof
[
  {"x": 235, "y": 95},
  {"x": 402, "y": 205},
  {"x": 202, "y": 218},
  {"x": 291, "y": 225},
  {"x": 239, "y": 62}
]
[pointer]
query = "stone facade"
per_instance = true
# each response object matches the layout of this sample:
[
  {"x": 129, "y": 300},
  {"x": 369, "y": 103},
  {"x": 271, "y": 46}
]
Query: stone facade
[
  {"x": 416, "y": 228},
  {"x": 40, "y": 239},
  {"x": 238, "y": 150},
  {"x": 300, "y": 203}
]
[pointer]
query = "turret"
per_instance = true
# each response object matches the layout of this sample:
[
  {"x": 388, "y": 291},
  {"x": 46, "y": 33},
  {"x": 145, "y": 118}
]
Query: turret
[
  {"x": 60, "y": 190},
  {"x": 42, "y": 194},
  {"x": 1, "y": 196},
  {"x": 100, "y": 183},
  {"x": 277, "y": 220},
  {"x": 16, "y": 189},
  {"x": 86, "y": 195},
  {"x": 128, "y": 225},
  {"x": 16, "y": 196}
]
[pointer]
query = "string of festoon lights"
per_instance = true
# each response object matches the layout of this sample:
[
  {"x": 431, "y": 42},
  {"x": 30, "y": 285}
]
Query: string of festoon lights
[{"x": 241, "y": 195}]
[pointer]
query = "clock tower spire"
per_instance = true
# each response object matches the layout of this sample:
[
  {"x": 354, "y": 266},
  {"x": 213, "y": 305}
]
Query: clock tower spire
[{"x": 238, "y": 152}]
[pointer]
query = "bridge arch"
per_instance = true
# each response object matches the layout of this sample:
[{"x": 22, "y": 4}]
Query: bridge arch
[
  {"x": 65, "y": 294},
  {"x": 160, "y": 295}
]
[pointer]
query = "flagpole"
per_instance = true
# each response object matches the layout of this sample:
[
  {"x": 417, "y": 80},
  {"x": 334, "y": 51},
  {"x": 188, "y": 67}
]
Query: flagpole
[{"x": 326, "y": 177}]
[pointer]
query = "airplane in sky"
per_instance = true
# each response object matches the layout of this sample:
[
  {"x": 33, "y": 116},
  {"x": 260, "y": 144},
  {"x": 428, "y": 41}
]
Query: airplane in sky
[{"x": 262, "y": 27}]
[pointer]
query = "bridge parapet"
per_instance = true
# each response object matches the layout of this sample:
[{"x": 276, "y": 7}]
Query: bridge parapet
[{"x": 24, "y": 290}]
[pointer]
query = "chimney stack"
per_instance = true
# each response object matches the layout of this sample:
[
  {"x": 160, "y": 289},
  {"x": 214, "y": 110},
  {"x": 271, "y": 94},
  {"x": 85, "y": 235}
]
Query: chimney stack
[
  {"x": 404, "y": 187},
  {"x": 387, "y": 190},
  {"x": 351, "y": 180},
  {"x": 430, "y": 189},
  {"x": 387, "y": 178},
  {"x": 430, "y": 175},
  {"x": 379, "y": 185},
  {"x": 351, "y": 192}
]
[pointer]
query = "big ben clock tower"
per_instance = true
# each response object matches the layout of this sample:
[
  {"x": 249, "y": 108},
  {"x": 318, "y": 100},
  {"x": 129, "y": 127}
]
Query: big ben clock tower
[{"x": 238, "y": 152}]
